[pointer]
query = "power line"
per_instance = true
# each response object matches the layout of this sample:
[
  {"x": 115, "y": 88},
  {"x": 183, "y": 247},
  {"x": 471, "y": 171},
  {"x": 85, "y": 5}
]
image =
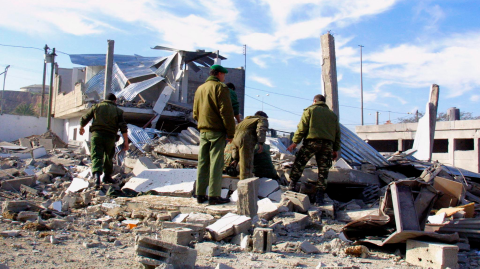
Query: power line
[
  {"x": 24, "y": 47},
  {"x": 275, "y": 106},
  {"x": 311, "y": 100}
]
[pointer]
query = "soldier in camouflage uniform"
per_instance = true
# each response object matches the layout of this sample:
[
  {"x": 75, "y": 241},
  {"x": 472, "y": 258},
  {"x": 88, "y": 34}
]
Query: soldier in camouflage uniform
[
  {"x": 319, "y": 129},
  {"x": 250, "y": 132}
]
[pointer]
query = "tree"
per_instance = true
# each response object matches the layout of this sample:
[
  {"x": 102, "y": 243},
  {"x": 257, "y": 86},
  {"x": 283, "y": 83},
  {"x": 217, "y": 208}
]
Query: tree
[
  {"x": 440, "y": 117},
  {"x": 24, "y": 110}
]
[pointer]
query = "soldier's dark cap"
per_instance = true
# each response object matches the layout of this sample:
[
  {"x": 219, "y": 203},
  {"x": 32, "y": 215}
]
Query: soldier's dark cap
[
  {"x": 219, "y": 68},
  {"x": 111, "y": 97},
  {"x": 261, "y": 113}
]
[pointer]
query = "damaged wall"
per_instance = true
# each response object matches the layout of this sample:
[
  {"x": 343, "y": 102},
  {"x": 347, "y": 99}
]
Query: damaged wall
[
  {"x": 456, "y": 142},
  {"x": 235, "y": 76},
  {"x": 15, "y": 127}
]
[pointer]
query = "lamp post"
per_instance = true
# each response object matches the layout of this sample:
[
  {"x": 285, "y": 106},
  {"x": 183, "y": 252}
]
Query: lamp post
[
  {"x": 262, "y": 98},
  {"x": 361, "y": 82},
  {"x": 3, "y": 91}
]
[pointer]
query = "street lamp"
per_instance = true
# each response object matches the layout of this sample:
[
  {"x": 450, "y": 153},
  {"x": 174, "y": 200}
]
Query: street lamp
[
  {"x": 3, "y": 92},
  {"x": 262, "y": 98}
]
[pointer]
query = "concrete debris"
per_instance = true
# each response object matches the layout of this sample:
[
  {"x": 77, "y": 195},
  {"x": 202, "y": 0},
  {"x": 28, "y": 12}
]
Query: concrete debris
[
  {"x": 51, "y": 199},
  {"x": 151, "y": 253}
]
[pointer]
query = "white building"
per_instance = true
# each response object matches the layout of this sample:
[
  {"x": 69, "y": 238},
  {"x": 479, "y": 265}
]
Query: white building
[{"x": 456, "y": 142}]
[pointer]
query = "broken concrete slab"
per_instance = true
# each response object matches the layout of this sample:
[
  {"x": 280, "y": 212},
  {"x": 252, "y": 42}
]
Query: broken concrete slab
[
  {"x": 275, "y": 196},
  {"x": 293, "y": 222},
  {"x": 200, "y": 218},
  {"x": 18, "y": 206},
  {"x": 38, "y": 152},
  {"x": 351, "y": 177},
  {"x": 247, "y": 191},
  {"x": 25, "y": 142},
  {"x": 197, "y": 229},
  {"x": 263, "y": 239},
  {"x": 152, "y": 252},
  {"x": 207, "y": 249},
  {"x": 432, "y": 255},
  {"x": 172, "y": 182},
  {"x": 55, "y": 170},
  {"x": 308, "y": 248},
  {"x": 46, "y": 143},
  {"x": 352, "y": 215},
  {"x": 14, "y": 184},
  {"x": 143, "y": 163},
  {"x": 230, "y": 224},
  {"x": 266, "y": 186},
  {"x": 300, "y": 201},
  {"x": 266, "y": 209},
  {"x": 10, "y": 233},
  {"x": 77, "y": 184},
  {"x": 27, "y": 215}
]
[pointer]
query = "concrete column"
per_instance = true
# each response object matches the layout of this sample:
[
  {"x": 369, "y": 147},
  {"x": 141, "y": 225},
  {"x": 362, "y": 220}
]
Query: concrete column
[
  {"x": 453, "y": 114},
  {"x": 476, "y": 148},
  {"x": 433, "y": 106},
  {"x": 184, "y": 85},
  {"x": 329, "y": 72},
  {"x": 108, "y": 69},
  {"x": 400, "y": 145},
  {"x": 451, "y": 151}
]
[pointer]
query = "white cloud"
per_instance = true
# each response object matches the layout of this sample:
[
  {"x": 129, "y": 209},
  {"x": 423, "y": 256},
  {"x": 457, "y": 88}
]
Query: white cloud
[
  {"x": 261, "y": 60},
  {"x": 475, "y": 98},
  {"x": 261, "y": 80}
]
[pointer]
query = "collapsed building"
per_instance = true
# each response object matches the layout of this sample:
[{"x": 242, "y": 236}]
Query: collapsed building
[{"x": 428, "y": 208}]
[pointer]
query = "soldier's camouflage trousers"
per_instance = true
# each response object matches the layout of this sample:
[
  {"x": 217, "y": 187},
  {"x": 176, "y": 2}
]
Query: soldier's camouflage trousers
[{"x": 322, "y": 149}]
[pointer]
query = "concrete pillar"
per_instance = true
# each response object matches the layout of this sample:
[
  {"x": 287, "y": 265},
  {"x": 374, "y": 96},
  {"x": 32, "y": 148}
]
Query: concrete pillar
[
  {"x": 108, "y": 69},
  {"x": 433, "y": 106},
  {"x": 476, "y": 148},
  {"x": 184, "y": 85},
  {"x": 247, "y": 197},
  {"x": 400, "y": 145},
  {"x": 451, "y": 151},
  {"x": 329, "y": 72}
]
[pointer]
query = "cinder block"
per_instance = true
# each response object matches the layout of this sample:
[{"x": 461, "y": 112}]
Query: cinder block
[
  {"x": 17, "y": 206},
  {"x": 179, "y": 236},
  {"x": 151, "y": 253},
  {"x": 247, "y": 197},
  {"x": 300, "y": 201},
  {"x": 432, "y": 255},
  {"x": 197, "y": 229},
  {"x": 262, "y": 240}
]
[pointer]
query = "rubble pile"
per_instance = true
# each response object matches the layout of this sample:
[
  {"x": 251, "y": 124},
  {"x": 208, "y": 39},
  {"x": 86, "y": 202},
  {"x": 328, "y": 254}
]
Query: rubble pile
[{"x": 48, "y": 202}]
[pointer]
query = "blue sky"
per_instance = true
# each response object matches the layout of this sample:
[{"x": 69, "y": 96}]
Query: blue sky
[{"x": 408, "y": 45}]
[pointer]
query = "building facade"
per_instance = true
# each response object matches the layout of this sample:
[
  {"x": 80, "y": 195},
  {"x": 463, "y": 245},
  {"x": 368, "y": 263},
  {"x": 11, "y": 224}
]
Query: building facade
[{"x": 456, "y": 142}]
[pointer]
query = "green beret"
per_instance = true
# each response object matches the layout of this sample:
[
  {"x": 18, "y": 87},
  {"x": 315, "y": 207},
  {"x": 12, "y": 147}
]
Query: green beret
[{"x": 219, "y": 68}]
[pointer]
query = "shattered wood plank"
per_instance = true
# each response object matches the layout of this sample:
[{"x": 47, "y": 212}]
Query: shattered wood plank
[{"x": 404, "y": 208}]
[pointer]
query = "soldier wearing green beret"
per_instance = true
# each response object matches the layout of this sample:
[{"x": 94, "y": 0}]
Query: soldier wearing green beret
[{"x": 213, "y": 111}]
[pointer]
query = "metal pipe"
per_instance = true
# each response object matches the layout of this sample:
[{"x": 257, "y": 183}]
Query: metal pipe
[{"x": 50, "y": 94}]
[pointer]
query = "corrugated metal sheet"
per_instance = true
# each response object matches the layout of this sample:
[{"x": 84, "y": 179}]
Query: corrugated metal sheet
[
  {"x": 162, "y": 70},
  {"x": 97, "y": 82},
  {"x": 99, "y": 59},
  {"x": 131, "y": 91},
  {"x": 138, "y": 136},
  {"x": 355, "y": 150}
]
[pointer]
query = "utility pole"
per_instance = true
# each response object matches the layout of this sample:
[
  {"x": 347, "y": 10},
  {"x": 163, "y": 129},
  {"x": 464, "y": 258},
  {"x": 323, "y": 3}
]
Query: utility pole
[
  {"x": 376, "y": 118},
  {"x": 361, "y": 83},
  {"x": 245, "y": 57},
  {"x": 108, "y": 69},
  {"x": 42, "y": 106},
  {"x": 3, "y": 92},
  {"x": 50, "y": 94},
  {"x": 416, "y": 115}
]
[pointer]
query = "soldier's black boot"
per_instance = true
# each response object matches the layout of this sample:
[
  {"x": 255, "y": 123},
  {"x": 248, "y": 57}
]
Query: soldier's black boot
[
  {"x": 319, "y": 197},
  {"x": 97, "y": 179}
]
